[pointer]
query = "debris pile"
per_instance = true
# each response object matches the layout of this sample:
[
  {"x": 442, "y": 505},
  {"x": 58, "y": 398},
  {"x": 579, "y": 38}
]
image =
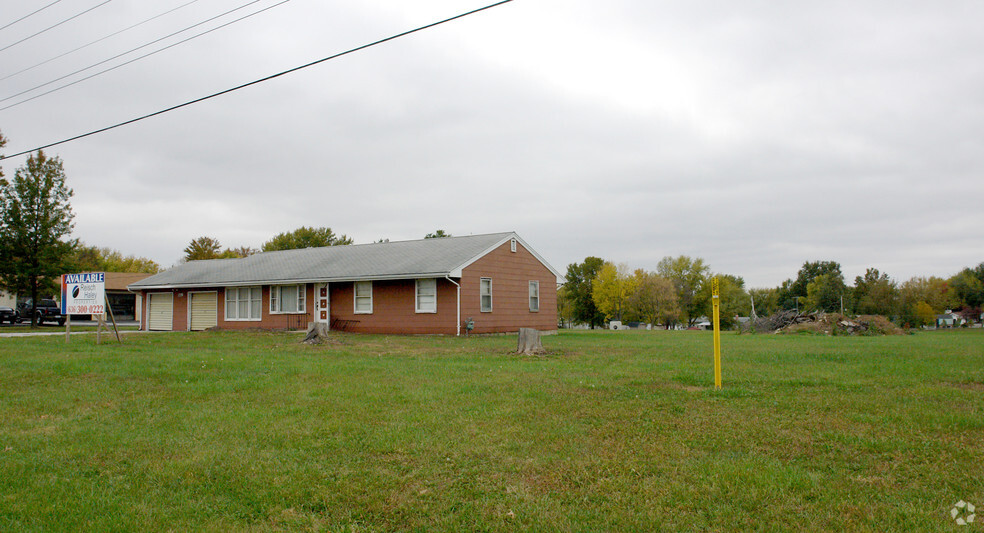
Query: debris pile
[{"x": 823, "y": 323}]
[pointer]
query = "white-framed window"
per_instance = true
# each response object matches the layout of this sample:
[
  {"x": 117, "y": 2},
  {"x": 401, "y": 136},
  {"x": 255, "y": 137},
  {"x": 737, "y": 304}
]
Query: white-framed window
[
  {"x": 363, "y": 297},
  {"x": 534, "y": 295},
  {"x": 287, "y": 298},
  {"x": 426, "y": 299},
  {"x": 485, "y": 292},
  {"x": 512, "y": 245},
  {"x": 243, "y": 303}
]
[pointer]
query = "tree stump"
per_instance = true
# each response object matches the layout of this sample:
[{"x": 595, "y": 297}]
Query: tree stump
[
  {"x": 316, "y": 333},
  {"x": 529, "y": 342}
]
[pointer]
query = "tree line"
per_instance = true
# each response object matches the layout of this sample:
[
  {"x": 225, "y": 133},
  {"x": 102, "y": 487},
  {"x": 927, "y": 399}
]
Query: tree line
[{"x": 678, "y": 292}]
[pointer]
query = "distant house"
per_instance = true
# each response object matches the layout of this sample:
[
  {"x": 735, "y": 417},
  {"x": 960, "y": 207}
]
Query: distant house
[
  {"x": 949, "y": 319},
  {"x": 429, "y": 286}
]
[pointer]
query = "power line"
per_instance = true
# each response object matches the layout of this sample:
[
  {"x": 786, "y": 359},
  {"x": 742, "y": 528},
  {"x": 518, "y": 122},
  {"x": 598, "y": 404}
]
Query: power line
[
  {"x": 261, "y": 80},
  {"x": 35, "y": 12},
  {"x": 114, "y": 34},
  {"x": 55, "y": 25},
  {"x": 117, "y": 56}
]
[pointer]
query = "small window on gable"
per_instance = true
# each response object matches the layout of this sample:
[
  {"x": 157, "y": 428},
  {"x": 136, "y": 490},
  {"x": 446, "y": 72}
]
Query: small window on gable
[
  {"x": 534, "y": 296},
  {"x": 426, "y": 299},
  {"x": 512, "y": 245},
  {"x": 485, "y": 291},
  {"x": 363, "y": 297}
]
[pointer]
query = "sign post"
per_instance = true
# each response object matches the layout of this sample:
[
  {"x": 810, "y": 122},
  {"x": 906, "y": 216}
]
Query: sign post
[{"x": 716, "y": 304}]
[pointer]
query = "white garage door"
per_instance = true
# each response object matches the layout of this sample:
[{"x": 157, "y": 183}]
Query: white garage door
[
  {"x": 160, "y": 313},
  {"x": 203, "y": 311}
]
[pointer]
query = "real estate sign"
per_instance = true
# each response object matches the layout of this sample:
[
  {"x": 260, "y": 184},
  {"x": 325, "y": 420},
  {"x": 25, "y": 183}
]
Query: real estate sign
[{"x": 83, "y": 294}]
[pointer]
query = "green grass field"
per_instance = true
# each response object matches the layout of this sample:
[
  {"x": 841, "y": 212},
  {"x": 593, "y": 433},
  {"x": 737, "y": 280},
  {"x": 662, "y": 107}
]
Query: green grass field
[{"x": 612, "y": 431}]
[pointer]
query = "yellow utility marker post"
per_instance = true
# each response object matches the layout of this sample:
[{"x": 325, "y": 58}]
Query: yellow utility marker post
[{"x": 716, "y": 304}]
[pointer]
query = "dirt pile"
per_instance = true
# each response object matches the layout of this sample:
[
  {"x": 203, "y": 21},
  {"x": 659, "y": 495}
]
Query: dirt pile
[{"x": 824, "y": 323}]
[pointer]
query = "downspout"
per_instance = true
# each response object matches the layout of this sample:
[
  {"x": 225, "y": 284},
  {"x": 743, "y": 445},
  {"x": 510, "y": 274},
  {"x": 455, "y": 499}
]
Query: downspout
[{"x": 458, "y": 329}]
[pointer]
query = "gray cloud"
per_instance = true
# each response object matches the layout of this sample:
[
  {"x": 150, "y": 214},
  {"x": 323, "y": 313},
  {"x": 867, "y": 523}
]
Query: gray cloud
[{"x": 757, "y": 136}]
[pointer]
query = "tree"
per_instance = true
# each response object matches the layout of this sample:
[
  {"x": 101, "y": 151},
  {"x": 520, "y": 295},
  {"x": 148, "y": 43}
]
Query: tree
[
  {"x": 809, "y": 271},
  {"x": 94, "y": 259},
  {"x": 611, "y": 288},
  {"x": 577, "y": 287},
  {"x": 924, "y": 314},
  {"x": 688, "y": 277},
  {"x": 202, "y": 248},
  {"x": 565, "y": 307},
  {"x": 35, "y": 223},
  {"x": 439, "y": 234},
  {"x": 654, "y": 299},
  {"x": 733, "y": 301},
  {"x": 824, "y": 293},
  {"x": 242, "y": 251},
  {"x": 969, "y": 289},
  {"x": 875, "y": 294},
  {"x": 766, "y": 300},
  {"x": 305, "y": 237},
  {"x": 933, "y": 291}
]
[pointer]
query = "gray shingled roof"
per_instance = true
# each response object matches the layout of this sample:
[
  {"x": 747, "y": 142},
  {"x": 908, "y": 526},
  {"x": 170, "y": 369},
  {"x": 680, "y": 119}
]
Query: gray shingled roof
[{"x": 390, "y": 260}]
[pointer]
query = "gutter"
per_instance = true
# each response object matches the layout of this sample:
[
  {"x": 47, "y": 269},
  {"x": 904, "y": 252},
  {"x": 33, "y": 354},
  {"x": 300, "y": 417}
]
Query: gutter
[
  {"x": 458, "y": 324},
  {"x": 390, "y": 277}
]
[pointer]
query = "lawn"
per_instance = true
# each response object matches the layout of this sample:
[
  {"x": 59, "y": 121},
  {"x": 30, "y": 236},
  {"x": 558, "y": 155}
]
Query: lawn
[
  {"x": 611, "y": 431},
  {"x": 25, "y": 327}
]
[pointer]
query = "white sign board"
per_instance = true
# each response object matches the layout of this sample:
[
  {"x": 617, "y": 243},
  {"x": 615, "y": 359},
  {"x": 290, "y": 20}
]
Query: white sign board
[{"x": 83, "y": 294}]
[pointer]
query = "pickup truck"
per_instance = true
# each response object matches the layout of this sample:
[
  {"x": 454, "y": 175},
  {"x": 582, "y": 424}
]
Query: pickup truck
[{"x": 47, "y": 311}]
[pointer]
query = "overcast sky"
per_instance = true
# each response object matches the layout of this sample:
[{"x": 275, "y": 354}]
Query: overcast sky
[{"x": 756, "y": 135}]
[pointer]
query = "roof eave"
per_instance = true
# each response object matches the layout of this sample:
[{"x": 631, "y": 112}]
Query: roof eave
[{"x": 248, "y": 283}]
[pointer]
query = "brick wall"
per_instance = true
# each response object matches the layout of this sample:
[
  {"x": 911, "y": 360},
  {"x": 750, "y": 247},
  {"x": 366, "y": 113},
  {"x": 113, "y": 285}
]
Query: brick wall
[
  {"x": 511, "y": 273},
  {"x": 394, "y": 302}
]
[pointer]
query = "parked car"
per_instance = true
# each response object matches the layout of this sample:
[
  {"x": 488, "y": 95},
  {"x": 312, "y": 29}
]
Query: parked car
[
  {"x": 47, "y": 311},
  {"x": 9, "y": 314}
]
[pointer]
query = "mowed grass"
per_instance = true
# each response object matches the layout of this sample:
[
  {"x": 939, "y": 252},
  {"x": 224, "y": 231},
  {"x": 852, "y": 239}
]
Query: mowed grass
[{"x": 611, "y": 431}]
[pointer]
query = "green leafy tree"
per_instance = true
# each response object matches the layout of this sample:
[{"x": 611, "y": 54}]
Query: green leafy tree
[
  {"x": 439, "y": 234},
  {"x": 611, "y": 289},
  {"x": 94, "y": 259},
  {"x": 734, "y": 300},
  {"x": 35, "y": 222},
  {"x": 577, "y": 287},
  {"x": 809, "y": 271},
  {"x": 305, "y": 237},
  {"x": 565, "y": 307},
  {"x": 688, "y": 277},
  {"x": 654, "y": 299},
  {"x": 875, "y": 294},
  {"x": 202, "y": 248},
  {"x": 766, "y": 300},
  {"x": 824, "y": 293},
  {"x": 785, "y": 299},
  {"x": 968, "y": 287}
]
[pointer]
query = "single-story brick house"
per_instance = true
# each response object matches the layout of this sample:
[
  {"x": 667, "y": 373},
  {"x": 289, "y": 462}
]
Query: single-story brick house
[{"x": 429, "y": 286}]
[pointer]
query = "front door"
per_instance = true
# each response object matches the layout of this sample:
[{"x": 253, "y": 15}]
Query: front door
[{"x": 322, "y": 305}]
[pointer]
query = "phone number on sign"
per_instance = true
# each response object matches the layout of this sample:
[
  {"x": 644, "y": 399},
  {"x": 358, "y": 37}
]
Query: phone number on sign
[{"x": 85, "y": 310}]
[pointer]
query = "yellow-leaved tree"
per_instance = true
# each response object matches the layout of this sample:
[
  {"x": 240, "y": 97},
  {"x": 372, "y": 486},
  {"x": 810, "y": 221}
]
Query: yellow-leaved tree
[{"x": 611, "y": 289}]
